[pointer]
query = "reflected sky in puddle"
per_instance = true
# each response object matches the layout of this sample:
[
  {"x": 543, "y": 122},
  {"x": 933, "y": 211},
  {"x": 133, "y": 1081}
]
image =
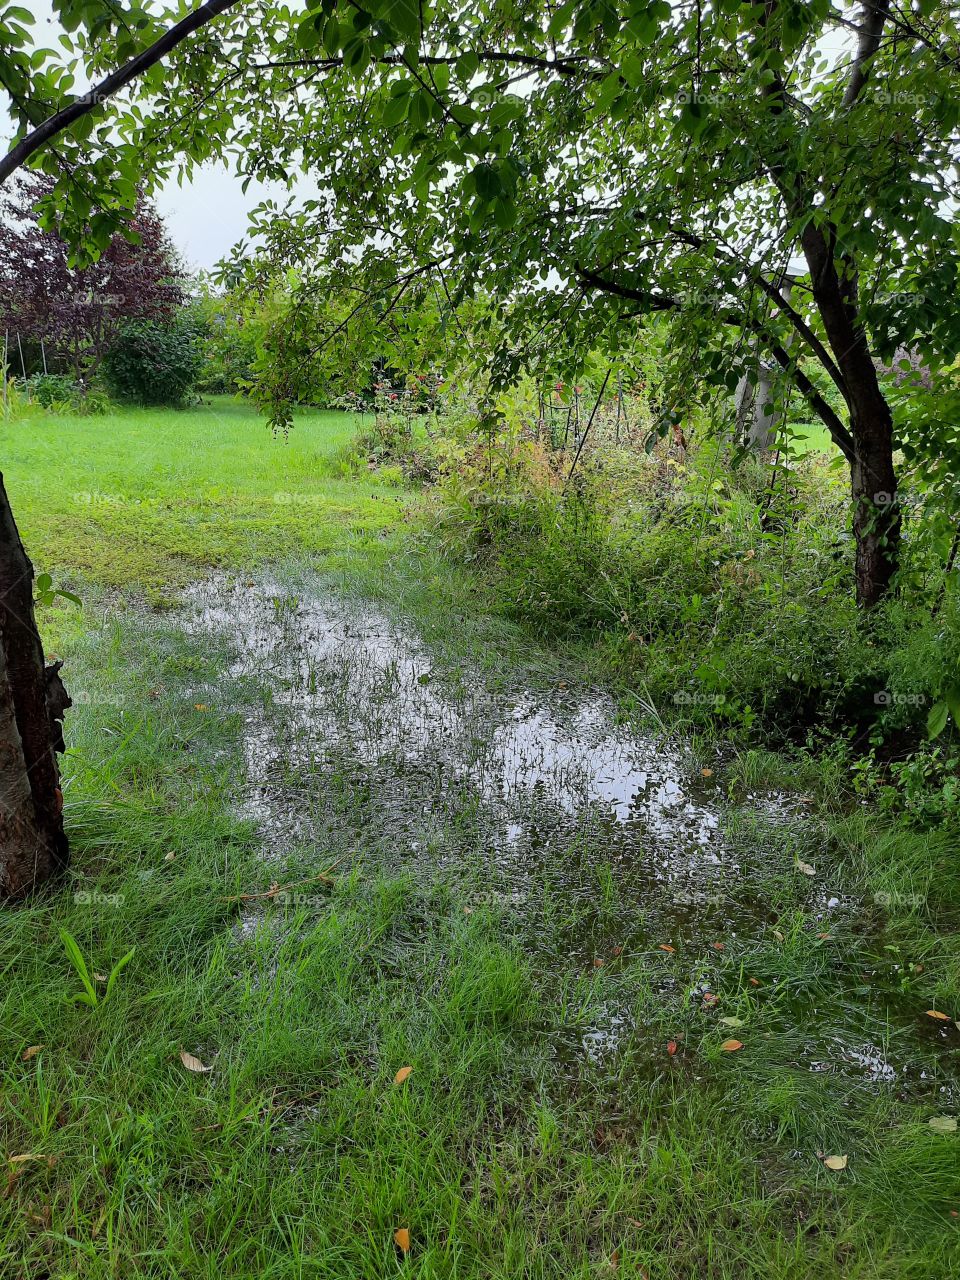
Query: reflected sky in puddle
[{"x": 543, "y": 791}]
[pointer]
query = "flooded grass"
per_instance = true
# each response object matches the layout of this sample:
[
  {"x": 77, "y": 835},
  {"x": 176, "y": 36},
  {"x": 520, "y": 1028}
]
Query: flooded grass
[{"x": 555, "y": 918}]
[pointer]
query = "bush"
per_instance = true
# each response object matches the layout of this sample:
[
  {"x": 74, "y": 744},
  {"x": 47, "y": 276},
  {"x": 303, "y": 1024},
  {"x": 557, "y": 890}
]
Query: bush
[
  {"x": 157, "y": 363},
  {"x": 60, "y": 393}
]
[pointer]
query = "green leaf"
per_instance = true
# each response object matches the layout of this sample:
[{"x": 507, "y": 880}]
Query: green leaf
[
  {"x": 937, "y": 719},
  {"x": 80, "y": 965},
  {"x": 404, "y": 17},
  {"x": 396, "y": 110},
  {"x": 116, "y": 971}
]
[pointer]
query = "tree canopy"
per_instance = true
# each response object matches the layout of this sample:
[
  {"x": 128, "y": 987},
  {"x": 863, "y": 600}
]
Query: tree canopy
[{"x": 587, "y": 163}]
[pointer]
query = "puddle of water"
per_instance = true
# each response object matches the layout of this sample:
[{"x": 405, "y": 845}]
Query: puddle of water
[{"x": 544, "y": 794}]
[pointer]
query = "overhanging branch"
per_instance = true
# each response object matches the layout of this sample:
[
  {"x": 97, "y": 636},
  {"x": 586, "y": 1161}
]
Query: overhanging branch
[{"x": 109, "y": 86}]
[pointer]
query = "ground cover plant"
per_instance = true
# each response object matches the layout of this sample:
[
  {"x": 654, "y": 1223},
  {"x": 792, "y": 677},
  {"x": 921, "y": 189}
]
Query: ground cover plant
[
  {"x": 572, "y": 1108},
  {"x": 480, "y": 659}
]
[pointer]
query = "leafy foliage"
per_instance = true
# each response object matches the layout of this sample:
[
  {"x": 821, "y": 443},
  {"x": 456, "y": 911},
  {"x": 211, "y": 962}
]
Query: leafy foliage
[
  {"x": 77, "y": 313},
  {"x": 156, "y": 363}
]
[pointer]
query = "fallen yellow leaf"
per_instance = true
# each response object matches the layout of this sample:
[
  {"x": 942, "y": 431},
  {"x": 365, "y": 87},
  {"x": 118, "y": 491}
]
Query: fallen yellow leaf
[
  {"x": 943, "y": 1124},
  {"x": 706, "y": 773},
  {"x": 666, "y": 947},
  {"x": 31, "y": 1052},
  {"x": 731, "y": 1046},
  {"x": 836, "y": 1162},
  {"x": 935, "y": 1013},
  {"x": 402, "y": 1075},
  {"x": 401, "y": 1238},
  {"x": 192, "y": 1063},
  {"x": 806, "y": 868}
]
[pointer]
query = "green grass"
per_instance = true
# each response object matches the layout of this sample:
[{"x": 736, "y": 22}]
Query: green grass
[
  {"x": 297, "y": 1155},
  {"x": 151, "y": 498}
]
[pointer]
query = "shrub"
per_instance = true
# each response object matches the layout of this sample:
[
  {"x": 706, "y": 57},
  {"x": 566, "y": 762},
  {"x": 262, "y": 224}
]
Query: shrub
[
  {"x": 157, "y": 362},
  {"x": 61, "y": 393}
]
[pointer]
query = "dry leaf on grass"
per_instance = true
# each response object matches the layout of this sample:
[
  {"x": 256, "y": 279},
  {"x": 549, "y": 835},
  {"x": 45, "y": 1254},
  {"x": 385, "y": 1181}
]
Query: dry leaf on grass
[
  {"x": 731, "y": 1046},
  {"x": 402, "y": 1075},
  {"x": 935, "y": 1013},
  {"x": 665, "y": 946},
  {"x": 401, "y": 1238},
  {"x": 836, "y": 1162},
  {"x": 31, "y": 1052},
  {"x": 193, "y": 1064},
  {"x": 806, "y": 868},
  {"x": 943, "y": 1124}
]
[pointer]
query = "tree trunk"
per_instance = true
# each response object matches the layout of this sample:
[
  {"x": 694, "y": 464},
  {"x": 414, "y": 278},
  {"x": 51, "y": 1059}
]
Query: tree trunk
[
  {"x": 873, "y": 479},
  {"x": 876, "y": 511},
  {"x": 33, "y": 846}
]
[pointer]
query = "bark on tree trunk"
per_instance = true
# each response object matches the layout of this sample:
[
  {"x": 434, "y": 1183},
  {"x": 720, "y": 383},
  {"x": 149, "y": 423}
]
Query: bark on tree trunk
[
  {"x": 873, "y": 479},
  {"x": 33, "y": 846},
  {"x": 876, "y": 511}
]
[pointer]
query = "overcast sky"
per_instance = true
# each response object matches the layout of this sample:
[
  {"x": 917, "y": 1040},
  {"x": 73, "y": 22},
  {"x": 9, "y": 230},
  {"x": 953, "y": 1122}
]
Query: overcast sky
[{"x": 207, "y": 216}]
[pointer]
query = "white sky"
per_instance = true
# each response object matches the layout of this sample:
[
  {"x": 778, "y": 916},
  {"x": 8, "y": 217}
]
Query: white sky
[{"x": 207, "y": 216}]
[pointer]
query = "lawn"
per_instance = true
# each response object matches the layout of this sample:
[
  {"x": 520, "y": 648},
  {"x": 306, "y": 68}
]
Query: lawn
[
  {"x": 210, "y": 759},
  {"x": 152, "y": 498}
]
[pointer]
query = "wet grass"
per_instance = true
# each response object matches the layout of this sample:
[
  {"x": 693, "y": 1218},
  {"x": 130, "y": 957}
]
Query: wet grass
[
  {"x": 150, "y": 499},
  {"x": 546, "y": 1129}
]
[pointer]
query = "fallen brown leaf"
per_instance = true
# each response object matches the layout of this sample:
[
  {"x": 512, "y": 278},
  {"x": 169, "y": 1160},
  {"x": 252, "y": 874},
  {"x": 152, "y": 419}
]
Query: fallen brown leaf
[
  {"x": 706, "y": 773},
  {"x": 754, "y": 982},
  {"x": 836, "y": 1162},
  {"x": 664, "y": 946},
  {"x": 31, "y": 1052},
  {"x": 193, "y": 1064},
  {"x": 402, "y": 1075},
  {"x": 731, "y": 1046},
  {"x": 718, "y": 946},
  {"x": 671, "y": 1047},
  {"x": 401, "y": 1238},
  {"x": 935, "y": 1013},
  {"x": 598, "y": 962}
]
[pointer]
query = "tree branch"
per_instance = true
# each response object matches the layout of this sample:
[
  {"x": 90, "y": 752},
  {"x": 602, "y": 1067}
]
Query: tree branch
[
  {"x": 871, "y": 29},
  {"x": 839, "y": 434},
  {"x": 110, "y": 85}
]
